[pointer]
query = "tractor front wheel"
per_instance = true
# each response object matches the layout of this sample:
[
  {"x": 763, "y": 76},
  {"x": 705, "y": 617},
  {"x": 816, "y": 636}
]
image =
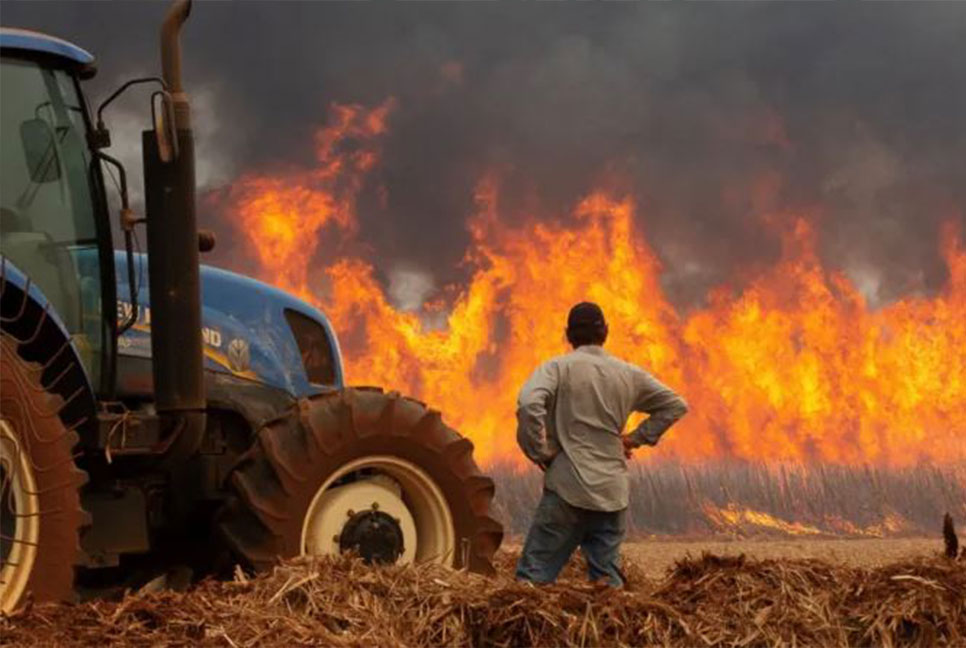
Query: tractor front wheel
[
  {"x": 366, "y": 471},
  {"x": 40, "y": 512}
]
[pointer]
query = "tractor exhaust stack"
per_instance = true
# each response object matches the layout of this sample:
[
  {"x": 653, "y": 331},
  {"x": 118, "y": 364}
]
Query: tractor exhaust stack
[
  {"x": 169, "y": 181},
  {"x": 171, "y": 60}
]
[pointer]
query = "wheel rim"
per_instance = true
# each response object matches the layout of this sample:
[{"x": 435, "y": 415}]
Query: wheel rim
[
  {"x": 19, "y": 518},
  {"x": 396, "y": 486}
]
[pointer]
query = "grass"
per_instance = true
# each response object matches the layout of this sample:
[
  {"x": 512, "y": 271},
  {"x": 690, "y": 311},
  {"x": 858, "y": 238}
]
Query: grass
[{"x": 739, "y": 499}]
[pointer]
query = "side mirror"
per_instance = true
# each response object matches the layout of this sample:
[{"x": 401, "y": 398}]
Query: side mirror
[
  {"x": 40, "y": 150},
  {"x": 165, "y": 133}
]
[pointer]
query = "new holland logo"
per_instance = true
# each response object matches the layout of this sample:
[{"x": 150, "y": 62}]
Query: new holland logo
[{"x": 239, "y": 355}]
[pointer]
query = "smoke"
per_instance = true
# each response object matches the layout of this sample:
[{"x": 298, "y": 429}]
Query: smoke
[
  {"x": 215, "y": 166},
  {"x": 410, "y": 287},
  {"x": 710, "y": 116}
]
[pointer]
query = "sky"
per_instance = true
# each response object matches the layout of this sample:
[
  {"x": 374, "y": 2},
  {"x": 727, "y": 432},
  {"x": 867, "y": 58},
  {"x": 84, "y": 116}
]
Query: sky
[{"x": 708, "y": 115}]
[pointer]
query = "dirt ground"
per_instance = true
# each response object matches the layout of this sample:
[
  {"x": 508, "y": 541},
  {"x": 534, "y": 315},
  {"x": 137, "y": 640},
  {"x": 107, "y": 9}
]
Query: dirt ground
[{"x": 655, "y": 556}]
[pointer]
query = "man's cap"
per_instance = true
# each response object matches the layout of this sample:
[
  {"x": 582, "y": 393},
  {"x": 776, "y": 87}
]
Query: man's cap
[{"x": 584, "y": 315}]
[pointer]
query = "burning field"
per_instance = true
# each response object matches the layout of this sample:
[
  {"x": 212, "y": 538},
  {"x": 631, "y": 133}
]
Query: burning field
[
  {"x": 813, "y": 411},
  {"x": 769, "y": 209},
  {"x": 792, "y": 366}
]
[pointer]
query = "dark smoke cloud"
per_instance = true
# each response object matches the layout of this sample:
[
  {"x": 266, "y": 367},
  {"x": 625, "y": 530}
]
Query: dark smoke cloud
[{"x": 707, "y": 114}]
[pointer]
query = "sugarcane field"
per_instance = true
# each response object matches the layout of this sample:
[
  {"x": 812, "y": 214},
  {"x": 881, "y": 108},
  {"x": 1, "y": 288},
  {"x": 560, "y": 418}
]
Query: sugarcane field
[{"x": 470, "y": 324}]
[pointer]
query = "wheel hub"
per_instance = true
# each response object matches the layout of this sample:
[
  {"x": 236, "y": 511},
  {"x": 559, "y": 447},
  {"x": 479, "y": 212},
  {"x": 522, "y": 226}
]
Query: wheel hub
[
  {"x": 374, "y": 535},
  {"x": 364, "y": 515},
  {"x": 385, "y": 508}
]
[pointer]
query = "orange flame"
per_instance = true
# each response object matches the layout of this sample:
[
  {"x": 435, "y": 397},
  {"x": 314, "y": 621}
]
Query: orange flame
[
  {"x": 282, "y": 216},
  {"x": 795, "y": 367},
  {"x": 739, "y": 519},
  {"x": 736, "y": 519}
]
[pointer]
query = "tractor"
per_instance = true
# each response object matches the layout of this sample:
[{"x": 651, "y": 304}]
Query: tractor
[{"x": 161, "y": 417}]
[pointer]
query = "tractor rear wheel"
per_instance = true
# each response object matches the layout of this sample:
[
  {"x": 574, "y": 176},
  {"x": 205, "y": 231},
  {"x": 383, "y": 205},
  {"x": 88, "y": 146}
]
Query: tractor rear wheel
[
  {"x": 40, "y": 512},
  {"x": 366, "y": 471}
]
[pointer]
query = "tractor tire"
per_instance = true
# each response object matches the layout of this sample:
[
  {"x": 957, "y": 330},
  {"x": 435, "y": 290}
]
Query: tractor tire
[
  {"x": 279, "y": 482},
  {"x": 40, "y": 511}
]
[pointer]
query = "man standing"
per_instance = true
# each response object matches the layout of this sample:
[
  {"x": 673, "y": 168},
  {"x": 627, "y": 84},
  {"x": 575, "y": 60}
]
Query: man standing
[{"x": 571, "y": 415}]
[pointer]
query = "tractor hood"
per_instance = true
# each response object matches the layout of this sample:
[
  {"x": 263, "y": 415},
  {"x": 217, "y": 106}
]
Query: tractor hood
[{"x": 250, "y": 330}]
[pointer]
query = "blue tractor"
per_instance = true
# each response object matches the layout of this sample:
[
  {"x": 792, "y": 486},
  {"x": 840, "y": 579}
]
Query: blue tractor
[{"x": 164, "y": 417}]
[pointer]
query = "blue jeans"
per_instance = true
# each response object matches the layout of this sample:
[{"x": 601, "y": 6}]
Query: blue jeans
[{"x": 558, "y": 528}]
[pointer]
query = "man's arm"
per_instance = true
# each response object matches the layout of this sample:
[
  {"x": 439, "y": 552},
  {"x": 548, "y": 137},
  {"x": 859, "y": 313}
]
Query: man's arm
[
  {"x": 663, "y": 405},
  {"x": 532, "y": 411}
]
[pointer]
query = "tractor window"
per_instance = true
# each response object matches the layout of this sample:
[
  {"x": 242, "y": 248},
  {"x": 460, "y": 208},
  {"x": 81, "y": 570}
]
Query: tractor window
[
  {"x": 314, "y": 347},
  {"x": 47, "y": 215}
]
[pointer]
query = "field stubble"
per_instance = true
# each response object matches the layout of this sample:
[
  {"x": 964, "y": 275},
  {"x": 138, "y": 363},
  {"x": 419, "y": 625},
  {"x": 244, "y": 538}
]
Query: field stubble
[{"x": 701, "y": 601}]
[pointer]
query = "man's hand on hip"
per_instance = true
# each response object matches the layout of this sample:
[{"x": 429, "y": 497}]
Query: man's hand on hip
[
  {"x": 544, "y": 464},
  {"x": 629, "y": 445}
]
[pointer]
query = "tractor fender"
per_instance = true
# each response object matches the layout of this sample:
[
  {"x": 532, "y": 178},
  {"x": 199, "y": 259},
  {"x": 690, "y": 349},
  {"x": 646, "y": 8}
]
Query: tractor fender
[{"x": 28, "y": 316}]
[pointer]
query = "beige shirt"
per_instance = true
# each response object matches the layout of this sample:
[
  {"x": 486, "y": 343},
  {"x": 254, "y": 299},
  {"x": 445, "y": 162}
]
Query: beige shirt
[{"x": 570, "y": 417}]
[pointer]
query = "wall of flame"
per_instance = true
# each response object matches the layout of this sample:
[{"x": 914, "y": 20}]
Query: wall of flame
[{"x": 793, "y": 366}]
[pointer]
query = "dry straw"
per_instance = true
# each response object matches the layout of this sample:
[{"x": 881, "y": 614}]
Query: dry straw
[{"x": 707, "y": 601}]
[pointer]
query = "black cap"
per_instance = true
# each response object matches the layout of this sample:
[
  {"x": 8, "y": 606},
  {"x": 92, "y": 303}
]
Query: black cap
[{"x": 585, "y": 315}]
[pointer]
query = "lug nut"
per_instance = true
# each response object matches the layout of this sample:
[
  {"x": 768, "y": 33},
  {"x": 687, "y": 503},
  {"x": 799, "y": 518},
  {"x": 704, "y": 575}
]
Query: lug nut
[
  {"x": 335, "y": 538},
  {"x": 350, "y": 513},
  {"x": 375, "y": 506}
]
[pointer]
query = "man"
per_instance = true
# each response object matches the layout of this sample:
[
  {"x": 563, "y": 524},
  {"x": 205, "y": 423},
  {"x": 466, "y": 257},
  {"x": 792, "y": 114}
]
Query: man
[{"x": 571, "y": 415}]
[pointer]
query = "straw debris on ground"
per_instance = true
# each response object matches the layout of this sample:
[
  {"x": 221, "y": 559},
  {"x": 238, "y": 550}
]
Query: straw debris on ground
[{"x": 705, "y": 601}]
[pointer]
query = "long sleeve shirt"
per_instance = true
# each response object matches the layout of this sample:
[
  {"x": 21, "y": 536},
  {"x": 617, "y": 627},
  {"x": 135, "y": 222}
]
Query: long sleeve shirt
[{"x": 570, "y": 416}]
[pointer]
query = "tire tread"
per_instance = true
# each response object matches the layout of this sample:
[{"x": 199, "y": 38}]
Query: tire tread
[{"x": 277, "y": 477}]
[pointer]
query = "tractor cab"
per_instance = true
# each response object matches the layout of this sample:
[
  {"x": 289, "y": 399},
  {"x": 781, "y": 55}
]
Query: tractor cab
[{"x": 52, "y": 209}]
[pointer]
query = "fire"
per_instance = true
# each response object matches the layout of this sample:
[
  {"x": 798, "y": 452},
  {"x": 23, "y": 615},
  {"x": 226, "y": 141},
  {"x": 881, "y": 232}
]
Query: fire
[
  {"x": 741, "y": 519},
  {"x": 795, "y": 366},
  {"x": 890, "y": 525},
  {"x": 283, "y": 215}
]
